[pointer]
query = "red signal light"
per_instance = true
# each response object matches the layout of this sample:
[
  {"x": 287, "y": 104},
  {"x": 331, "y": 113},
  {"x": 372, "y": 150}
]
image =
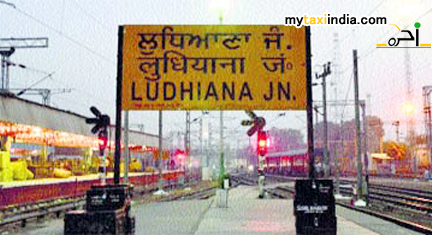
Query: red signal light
[
  {"x": 103, "y": 141},
  {"x": 180, "y": 155},
  {"x": 263, "y": 143}
]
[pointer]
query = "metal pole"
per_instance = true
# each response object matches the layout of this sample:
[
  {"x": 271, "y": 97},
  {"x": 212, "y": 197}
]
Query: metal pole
[
  {"x": 159, "y": 160},
  {"x": 336, "y": 170},
  {"x": 397, "y": 132},
  {"x": 337, "y": 173},
  {"x": 104, "y": 173},
  {"x": 118, "y": 131},
  {"x": 429, "y": 139},
  {"x": 309, "y": 108},
  {"x": 325, "y": 73},
  {"x": 365, "y": 151},
  {"x": 3, "y": 68},
  {"x": 7, "y": 74},
  {"x": 358, "y": 137},
  {"x": 221, "y": 153},
  {"x": 126, "y": 151},
  {"x": 326, "y": 155},
  {"x": 209, "y": 143},
  {"x": 201, "y": 140},
  {"x": 428, "y": 124},
  {"x": 221, "y": 150},
  {"x": 187, "y": 147}
]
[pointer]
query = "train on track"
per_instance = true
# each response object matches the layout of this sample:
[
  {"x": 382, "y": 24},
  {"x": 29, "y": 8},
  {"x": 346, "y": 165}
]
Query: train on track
[
  {"x": 296, "y": 163},
  {"x": 289, "y": 163}
]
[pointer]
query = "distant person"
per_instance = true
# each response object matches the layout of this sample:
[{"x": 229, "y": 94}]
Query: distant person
[
  {"x": 426, "y": 175},
  {"x": 319, "y": 171}
]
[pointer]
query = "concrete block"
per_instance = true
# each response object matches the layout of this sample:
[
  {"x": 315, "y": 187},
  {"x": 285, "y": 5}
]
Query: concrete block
[{"x": 222, "y": 198}]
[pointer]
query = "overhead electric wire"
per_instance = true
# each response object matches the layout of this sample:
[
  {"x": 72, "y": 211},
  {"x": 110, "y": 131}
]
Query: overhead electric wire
[
  {"x": 74, "y": 41},
  {"x": 346, "y": 97},
  {"x": 34, "y": 84},
  {"x": 91, "y": 16}
]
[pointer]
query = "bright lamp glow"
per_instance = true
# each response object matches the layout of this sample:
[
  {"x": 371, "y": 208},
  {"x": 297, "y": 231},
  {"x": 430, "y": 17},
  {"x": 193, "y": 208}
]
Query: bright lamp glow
[
  {"x": 408, "y": 108},
  {"x": 220, "y": 5},
  {"x": 262, "y": 143},
  {"x": 251, "y": 168}
]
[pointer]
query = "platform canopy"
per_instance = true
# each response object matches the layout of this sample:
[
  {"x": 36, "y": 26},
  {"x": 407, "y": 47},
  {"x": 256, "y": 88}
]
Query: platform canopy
[{"x": 20, "y": 111}]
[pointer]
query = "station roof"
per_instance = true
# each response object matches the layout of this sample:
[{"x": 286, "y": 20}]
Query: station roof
[{"x": 18, "y": 110}]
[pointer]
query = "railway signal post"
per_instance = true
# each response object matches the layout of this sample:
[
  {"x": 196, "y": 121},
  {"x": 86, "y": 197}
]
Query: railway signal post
[
  {"x": 262, "y": 145},
  {"x": 101, "y": 122},
  {"x": 108, "y": 207},
  {"x": 258, "y": 124}
]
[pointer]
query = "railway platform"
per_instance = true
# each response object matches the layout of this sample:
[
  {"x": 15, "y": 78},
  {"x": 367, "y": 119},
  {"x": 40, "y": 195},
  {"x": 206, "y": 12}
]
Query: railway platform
[{"x": 246, "y": 214}]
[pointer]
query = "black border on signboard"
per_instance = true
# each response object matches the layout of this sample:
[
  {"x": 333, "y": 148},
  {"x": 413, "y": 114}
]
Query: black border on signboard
[
  {"x": 309, "y": 110},
  {"x": 118, "y": 128}
]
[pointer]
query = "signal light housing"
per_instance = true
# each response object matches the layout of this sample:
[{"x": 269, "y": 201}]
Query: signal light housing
[
  {"x": 262, "y": 143},
  {"x": 103, "y": 141}
]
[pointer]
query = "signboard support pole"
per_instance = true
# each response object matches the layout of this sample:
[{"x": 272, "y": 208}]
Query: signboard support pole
[
  {"x": 126, "y": 150},
  {"x": 159, "y": 160},
  {"x": 118, "y": 128},
  {"x": 309, "y": 108}
]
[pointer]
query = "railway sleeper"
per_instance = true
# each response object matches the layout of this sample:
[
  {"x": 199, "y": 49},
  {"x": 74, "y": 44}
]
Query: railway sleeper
[
  {"x": 415, "y": 193},
  {"x": 403, "y": 203},
  {"x": 402, "y": 196}
]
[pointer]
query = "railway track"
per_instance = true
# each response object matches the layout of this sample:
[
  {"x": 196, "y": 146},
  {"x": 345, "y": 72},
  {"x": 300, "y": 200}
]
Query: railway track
[
  {"x": 20, "y": 216},
  {"x": 38, "y": 210},
  {"x": 201, "y": 194},
  {"x": 285, "y": 192},
  {"x": 241, "y": 179},
  {"x": 401, "y": 204},
  {"x": 414, "y": 199}
]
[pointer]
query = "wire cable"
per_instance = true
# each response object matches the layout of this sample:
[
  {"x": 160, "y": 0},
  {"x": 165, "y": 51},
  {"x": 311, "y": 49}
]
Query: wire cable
[{"x": 74, "y": 41}]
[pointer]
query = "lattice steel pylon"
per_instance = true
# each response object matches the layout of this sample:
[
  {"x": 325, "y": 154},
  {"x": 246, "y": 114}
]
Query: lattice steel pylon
[
  {"x": 409, "y": 99},
  {"x": 187, "y": 143},
  {"x": 428, "y": 122},
  {"x": 7, "y": 48}
]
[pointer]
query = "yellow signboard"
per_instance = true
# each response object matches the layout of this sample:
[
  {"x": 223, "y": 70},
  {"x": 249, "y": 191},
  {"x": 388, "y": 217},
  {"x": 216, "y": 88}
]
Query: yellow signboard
[{"x": 208, "y": 67}]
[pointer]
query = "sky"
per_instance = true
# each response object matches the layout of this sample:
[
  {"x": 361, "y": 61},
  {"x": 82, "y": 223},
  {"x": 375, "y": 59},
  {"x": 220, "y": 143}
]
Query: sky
[{"x": 82, "y": 55}]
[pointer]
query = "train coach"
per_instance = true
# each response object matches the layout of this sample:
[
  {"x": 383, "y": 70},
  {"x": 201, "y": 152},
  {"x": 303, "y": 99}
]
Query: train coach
[{"x": 288, "y": 163}]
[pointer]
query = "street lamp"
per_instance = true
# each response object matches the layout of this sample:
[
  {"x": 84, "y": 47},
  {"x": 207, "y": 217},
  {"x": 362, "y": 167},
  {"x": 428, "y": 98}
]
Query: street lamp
[
  {"x": 221, "y": 6},
  {"x": 408, "y": 108}
]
